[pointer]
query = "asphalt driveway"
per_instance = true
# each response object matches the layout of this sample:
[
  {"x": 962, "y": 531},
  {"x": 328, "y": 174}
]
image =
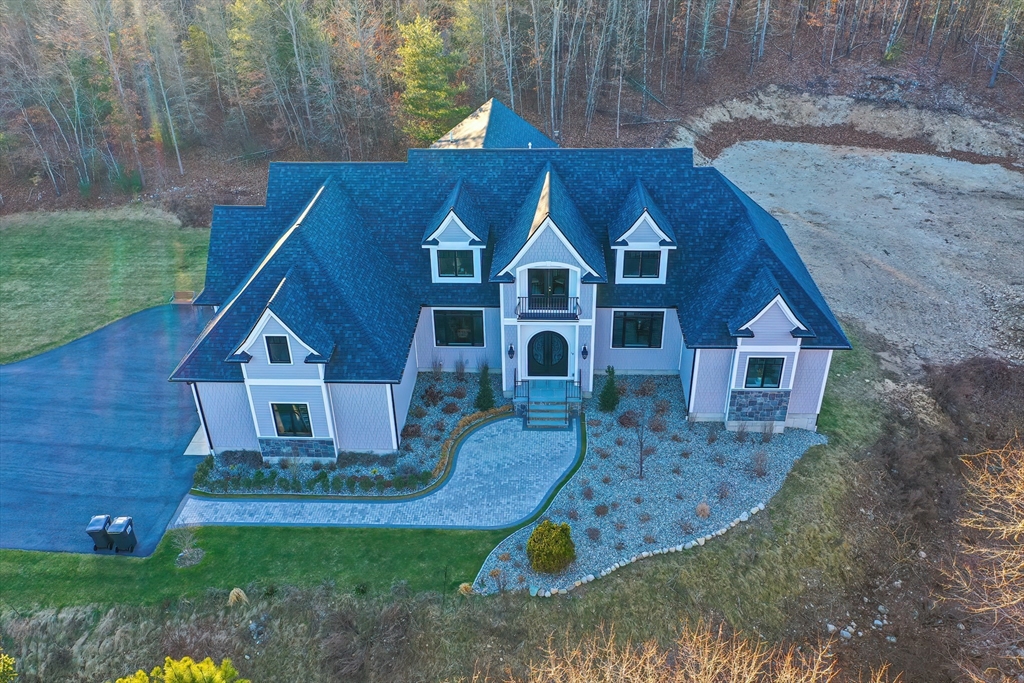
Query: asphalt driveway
[{"x": 94, "y": 427}]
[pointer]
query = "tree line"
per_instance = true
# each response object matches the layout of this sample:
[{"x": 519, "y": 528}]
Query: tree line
[{"x": 107, "y": 92}]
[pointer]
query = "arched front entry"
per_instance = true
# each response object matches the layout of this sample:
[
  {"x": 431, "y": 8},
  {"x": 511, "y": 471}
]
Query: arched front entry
[{"x": 548, "y": 355}]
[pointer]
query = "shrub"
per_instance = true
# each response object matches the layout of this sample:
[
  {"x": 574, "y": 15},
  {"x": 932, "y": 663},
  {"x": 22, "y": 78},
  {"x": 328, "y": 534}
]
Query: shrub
[
  {"x": 316, "y": 467},
  {"x": 609, "y": 398},
  {"x": 400, "y": 483},
  {"x": 436, "y": 366},
  {"x": 550, "y": 548},
  {"x": 381, "y": 484},
  {"x": 450, "y": 408},
  {"x": 460, "y": 369},
  {"x": 629, "y": 419},
  {"x": 258, "y": 479},
  {"x": 620, "y": 526},
  {"x": 646, "y": 387},
  {"x": 657, "y": 424},
  {"x": 336, "y": 484},
  {"x": 426, "y": 476},
  {"x": 606, "y": 479},
  {"x": 686, "y": 454},
  {"x": 253, "y": 459},
  {"x": 662, "y": 406},
  {"x": 712, "y": 436},
  {"x": 419, "y": 412},
  {"x": 767, "y": 433},
  {"x": 603, "y": 453},
  {"x": 504, "y": 557},
  {"x": 459, "y": 391},
  {"x": 350, "y": 483},
  {"x": 284, "y": 484},
  {"x": 676, "y": 438},
  {"x": 619, "y": 545},
  {"x": 485, "y": 397},
  {"x": 365, "y": 483},
  {"x": 677, "y": 470},
  {"x": 284, "y": 463},
  {"x": 620, "y": 441},
  {"x": 703, "y": 510},
  {"x": 186, "y": 670},
  {"x": 588, "y": 493},
  {"x": 573, "y": 515},
  {"x": 759, "y": 464},
  {"x": 601, "y": 510},
  {"x": 723, "y": 490},
  {"x": 412, "y": 430},
  {"x": 718, "y": 459},
  {"x": 202, "y": 476},
  {"x": 644, "y": 518},
  {"x": 594, "y": 534},
  {"x": 593, "y": 423},
  {"x": 432, "y": 395},
  {"x": 440, "y": 427},
  {"x": 741, "y": 434},
  {"x": 639, "y": 500},
  {"x": 649, "y": 539},
  {"x": 687, "y": 527}
]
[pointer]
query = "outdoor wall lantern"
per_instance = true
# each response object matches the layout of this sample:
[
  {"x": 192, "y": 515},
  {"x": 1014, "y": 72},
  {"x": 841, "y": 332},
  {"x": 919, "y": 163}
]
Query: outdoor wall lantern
[
  {"x": 511, "y": 352},
  {"x": 584, "y": 352}
]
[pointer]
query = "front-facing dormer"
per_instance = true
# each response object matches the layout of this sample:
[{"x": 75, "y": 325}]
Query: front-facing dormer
[
  {"x": 641, "y": 238},
  {"x": 455, "y": 239}
]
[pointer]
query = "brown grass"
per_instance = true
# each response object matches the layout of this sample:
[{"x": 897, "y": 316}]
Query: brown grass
[{"x": 703, "y": 510}]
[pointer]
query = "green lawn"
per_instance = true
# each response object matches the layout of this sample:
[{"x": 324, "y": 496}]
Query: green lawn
[
  {"x": 65, "y": 274},
  {"x": 353, "y": 559}
]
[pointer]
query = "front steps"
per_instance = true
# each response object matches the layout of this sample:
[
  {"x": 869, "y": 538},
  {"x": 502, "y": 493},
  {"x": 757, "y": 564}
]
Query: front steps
[{"x": 547, "y": 415}]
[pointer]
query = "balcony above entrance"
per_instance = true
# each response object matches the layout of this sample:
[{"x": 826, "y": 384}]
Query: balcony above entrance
[{"x": 548, "y": 307}]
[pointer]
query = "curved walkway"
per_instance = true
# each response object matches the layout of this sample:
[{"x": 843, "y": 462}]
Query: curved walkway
[
  {"x": 94, "y": 427},
  {"x": 502, "y": 475}
]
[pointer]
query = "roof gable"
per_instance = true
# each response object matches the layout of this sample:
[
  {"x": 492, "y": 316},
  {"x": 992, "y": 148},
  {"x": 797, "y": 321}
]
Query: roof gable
[
  {"x": 638, "y": 204},
  {"x": 470, "y": 219},
  {"x": 494, "y": 126}
]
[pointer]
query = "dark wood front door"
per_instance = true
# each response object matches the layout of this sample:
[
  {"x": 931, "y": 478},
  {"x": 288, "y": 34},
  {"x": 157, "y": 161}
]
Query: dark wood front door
[{"x": 549, "y": 355}]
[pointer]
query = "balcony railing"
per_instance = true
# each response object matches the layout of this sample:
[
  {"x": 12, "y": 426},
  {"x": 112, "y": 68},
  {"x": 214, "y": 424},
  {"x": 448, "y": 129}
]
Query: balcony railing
[{"x": 548, "y": 307}]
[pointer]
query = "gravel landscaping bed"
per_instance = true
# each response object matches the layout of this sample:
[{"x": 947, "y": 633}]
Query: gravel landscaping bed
[
  {"x": 439, "y": 401},
  {"x": 616, "y": 517}
]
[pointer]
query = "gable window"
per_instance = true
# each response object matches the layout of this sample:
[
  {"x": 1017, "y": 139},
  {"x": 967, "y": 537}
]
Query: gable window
[
  {"x": 637, "y": 329},
  {"x": 455, "y": 263},
  {"x": 641, "y": 264},
  {"x": 459, "y": 328},
  {"x": 277, "y": 349},
  {"x": 764, "y": 373},
  {"x": 292, "y": 419}
]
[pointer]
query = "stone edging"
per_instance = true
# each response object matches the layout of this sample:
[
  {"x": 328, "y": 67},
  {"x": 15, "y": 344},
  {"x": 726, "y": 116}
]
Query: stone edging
[{"x": 537, "y": 592}]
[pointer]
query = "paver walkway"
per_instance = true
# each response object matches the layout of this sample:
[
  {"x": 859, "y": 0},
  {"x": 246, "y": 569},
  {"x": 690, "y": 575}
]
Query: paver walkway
[
  {"x": 94, "y": 427},
  {"x": 502, "y": 475}
]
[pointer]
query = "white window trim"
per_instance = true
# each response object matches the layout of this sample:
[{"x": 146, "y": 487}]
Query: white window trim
[
  {"x": 757, "y": 354},
  {"x": 611, "y": 329},
  {"x": 433, "y": 327},
  {"x": 523, "y": 277},
  {"x": 437, "y": 278},
  {"x": 620, "y": 257},
  {"x": 287, "y": 341},
  {"x": 785, "y": 310},
  {"x": 312, "y": 429}
]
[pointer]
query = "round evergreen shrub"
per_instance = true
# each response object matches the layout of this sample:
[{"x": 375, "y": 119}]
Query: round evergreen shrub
[{"x": 550, "y": 548}]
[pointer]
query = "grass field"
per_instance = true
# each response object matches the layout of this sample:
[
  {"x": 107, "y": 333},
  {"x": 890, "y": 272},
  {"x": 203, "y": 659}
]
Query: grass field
[{"x": 65, "y": 274}]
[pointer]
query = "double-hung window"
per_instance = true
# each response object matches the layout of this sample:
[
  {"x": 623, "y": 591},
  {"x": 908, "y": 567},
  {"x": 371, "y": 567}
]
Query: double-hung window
[
  {"x": 455, "y": 263},
  {"x": 292, "y": 419},
  {"x": 277, "y": 349},
  {"x": 459, "y": 328},
  {"x": 637, "y": 329},
  {"x": 641, "y": 264},
  {"x": 764, "y": 373}
]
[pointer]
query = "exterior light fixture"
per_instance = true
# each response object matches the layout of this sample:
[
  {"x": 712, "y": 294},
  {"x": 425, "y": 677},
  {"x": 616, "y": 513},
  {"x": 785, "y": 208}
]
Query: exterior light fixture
[
  {"x": 511, "y": 352},
  {"x": 584, "y": 352}
]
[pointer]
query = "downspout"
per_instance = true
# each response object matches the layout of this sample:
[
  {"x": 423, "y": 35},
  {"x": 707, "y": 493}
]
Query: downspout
[{"x": 202, "y": 415}]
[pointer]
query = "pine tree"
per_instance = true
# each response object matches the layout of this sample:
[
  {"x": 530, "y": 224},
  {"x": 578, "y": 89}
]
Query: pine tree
[
  {"x": 485, "y": 398},
  {"x": 609, "y": 398},
  {"x": 426, "y": 71}
]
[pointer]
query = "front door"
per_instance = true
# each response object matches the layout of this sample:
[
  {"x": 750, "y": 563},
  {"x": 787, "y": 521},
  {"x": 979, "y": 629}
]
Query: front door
[{"x": 548, "y": 355}]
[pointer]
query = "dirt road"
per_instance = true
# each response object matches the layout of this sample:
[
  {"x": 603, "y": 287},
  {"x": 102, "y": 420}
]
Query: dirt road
[{"x": 927, "y": 251}]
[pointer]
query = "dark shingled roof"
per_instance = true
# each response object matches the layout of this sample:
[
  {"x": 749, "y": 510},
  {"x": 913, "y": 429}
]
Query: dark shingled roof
[
  {"x": 461, "y": 202},
  {"x": 633, "y": 206},
  {"x": 355, "y": 274},
  {"x": 493, "y": 126}
]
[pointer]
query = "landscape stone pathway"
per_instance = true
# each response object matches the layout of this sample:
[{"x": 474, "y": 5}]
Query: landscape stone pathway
[
  {"x": 502, "y": 475},
  {"x": 94, "y": 427}
]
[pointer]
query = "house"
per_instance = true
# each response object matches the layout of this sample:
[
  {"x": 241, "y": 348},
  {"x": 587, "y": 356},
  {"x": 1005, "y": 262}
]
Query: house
[{"x": 497, "y": 247}]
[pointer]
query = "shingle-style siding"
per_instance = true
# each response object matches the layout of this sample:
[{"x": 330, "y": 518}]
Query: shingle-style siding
[
  {"x": 474, "y": 356},
  {"x": 772, "y": 329},
  {"x": 452, "y": 233},
  {"x": 665, "y": 359},
  {"x": 787, "y": 366},
  {"x": 361, "y": 419},
  {"x": 259, "y": 366},
  {"x": 586, "y": 337},
  {"x": 403, "y": 392},
  {"x": 712, "y": 385},
  {"x": 810, "y": 375},
  {"x": 510, "y": 363},
  {"x": 509, "y": 299},
  {"x": 586, "y": 301},
  {"x": 686, "y": 370},
  {"x": 547, "y": 248},
  {"x": 226, "y": 408},
  {"x": 263, "y": 395},
  {"x": 644, "y": 234}
]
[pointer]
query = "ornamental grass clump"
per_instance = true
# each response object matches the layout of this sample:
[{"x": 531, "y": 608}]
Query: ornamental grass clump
[{"x": 550, "y": 548}]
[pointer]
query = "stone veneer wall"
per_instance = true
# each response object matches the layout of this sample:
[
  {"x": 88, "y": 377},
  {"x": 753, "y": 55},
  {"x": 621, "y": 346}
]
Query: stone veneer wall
[
  {"x": 758, "y": 406},
  {"x": 298, "y": 448}
]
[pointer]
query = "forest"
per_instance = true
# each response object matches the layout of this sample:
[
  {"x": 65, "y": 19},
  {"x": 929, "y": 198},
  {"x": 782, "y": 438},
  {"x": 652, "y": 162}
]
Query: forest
[{"x": 113, "y": 93}]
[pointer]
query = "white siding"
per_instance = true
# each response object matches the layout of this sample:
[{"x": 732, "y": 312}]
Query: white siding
[
  {"x": 511, "y": 337},
  {"x": 587, "y": 293},
  {"x": 361, "y": 419},
  {"x": 644, "y": 234},
  {"x": 259, "y": 367},
  {"x": 263, "y": 395},
  {"x": 403, "y": 392},
  {"x": 665, "y": 359},
  {"x": 810, "y": 376},
  {"x": 686, "y": 371},
  {"x": 474, "y": 356},
  {"x": 226, "y": 408},
  {"x": 787, "y": 366},
  {"x": 508, "y": 296},
  {"x": 712, "y": 385},
  {"x": 772, "y": 329},
  {"x": 452, "y": 233}
]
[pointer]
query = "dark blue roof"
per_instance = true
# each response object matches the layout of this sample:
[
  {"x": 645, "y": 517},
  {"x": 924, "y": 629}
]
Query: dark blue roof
[
  {"x": 636, "y": 202},
  {"x": 549, "y": 198},
  {"x": 360, "y": 270},
  {"x": 494, "y": 126},
  {"x": 461, "y": 202}
]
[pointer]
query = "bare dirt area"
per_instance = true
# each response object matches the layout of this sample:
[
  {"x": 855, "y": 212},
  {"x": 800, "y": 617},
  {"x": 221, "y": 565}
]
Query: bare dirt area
[{"x": 923, "y": 250}]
